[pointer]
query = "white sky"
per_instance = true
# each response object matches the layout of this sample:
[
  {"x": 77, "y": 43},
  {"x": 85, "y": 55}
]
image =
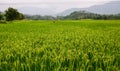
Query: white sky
[{"x": 56, "y": 5}]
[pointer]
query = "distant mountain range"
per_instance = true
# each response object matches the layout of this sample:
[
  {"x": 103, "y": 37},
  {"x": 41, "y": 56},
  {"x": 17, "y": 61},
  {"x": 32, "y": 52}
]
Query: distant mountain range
[{"x": 112, "y": 7}]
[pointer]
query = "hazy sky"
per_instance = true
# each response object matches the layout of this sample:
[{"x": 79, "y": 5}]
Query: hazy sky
[{"x": 56, "y": 5}]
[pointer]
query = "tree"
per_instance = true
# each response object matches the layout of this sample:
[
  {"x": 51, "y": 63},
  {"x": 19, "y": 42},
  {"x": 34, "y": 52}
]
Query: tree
[
  {"x": 21, "y": 16},
  {"x": 1, "y": 16},
  {"x": 13, "y": 14}
]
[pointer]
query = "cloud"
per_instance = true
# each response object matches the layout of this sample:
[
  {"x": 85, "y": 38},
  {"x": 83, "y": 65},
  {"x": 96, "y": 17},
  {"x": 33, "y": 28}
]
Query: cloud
[
  {"x": 56, "y": 5},
  {"x": 26, "y": 1}
]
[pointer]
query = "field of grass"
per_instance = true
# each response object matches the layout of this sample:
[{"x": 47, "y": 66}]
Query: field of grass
[{"x": 86, "y": 45}]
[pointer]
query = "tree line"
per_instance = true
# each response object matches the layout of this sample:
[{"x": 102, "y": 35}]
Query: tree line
[
  {"x": 12, "y": 14},
  {"x": 87, "y": 15},
  {"x": 77, "y": 15}
]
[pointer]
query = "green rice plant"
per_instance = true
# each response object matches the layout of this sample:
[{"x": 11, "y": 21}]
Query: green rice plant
[{"x": 85, "y": 45}]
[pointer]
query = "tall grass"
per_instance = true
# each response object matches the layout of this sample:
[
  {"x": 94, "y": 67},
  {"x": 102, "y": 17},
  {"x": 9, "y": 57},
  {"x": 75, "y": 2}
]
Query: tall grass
[{"x": 86, "y": 45}]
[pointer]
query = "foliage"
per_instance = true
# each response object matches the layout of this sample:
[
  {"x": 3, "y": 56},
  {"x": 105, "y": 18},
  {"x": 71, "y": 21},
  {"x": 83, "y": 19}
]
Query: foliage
[
  {"x": 77, "y": 15},
  {"x": 21, "y": 16},
  {"x": 38, "y": 17},
  {"x": 12, "y": 14},
  {"x": 86, "y": 45},
  {"x": 87, "y": 15},
  {"x": 2, "y": 21},
  {"x": 1, "y": 16}
]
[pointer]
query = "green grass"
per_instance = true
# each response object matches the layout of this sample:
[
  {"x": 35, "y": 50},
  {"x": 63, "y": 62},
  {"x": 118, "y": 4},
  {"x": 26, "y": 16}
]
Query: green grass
[{"x": 86, "y": 45}]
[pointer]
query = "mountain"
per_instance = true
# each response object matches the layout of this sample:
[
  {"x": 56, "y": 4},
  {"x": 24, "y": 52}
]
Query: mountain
[{"x": 112, "y": 7}]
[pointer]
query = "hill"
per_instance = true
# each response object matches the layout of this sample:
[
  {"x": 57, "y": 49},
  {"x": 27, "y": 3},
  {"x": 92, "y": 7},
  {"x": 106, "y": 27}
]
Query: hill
[{"x": 112, "y": 7}]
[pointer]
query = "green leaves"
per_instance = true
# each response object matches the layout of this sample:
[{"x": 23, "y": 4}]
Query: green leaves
[{"x": 67, "y": 46}]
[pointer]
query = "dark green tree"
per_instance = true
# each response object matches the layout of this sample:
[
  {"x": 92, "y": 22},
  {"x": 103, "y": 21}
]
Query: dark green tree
[
  {"x": 13, "y": 14},
  {"x": 21, "y": 16},
  {"x": 1, "y": 16}
]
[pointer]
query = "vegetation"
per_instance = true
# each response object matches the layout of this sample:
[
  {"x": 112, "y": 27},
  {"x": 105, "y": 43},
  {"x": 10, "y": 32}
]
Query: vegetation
[
  {"x": 87, "y": 15},
  {"x": 1, "y": 16},
  {"x": 13, "y": 14},
  {"x": 77, "y": 15},
  {"x": 10, "y": 15},
  {"x": 86, "y": 45},
  {"x": 38, "y": 17}
]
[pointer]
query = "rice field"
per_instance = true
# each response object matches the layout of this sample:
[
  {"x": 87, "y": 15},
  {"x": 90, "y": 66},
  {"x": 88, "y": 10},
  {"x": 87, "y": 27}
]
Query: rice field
[{"x": 82, "y": 45}]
